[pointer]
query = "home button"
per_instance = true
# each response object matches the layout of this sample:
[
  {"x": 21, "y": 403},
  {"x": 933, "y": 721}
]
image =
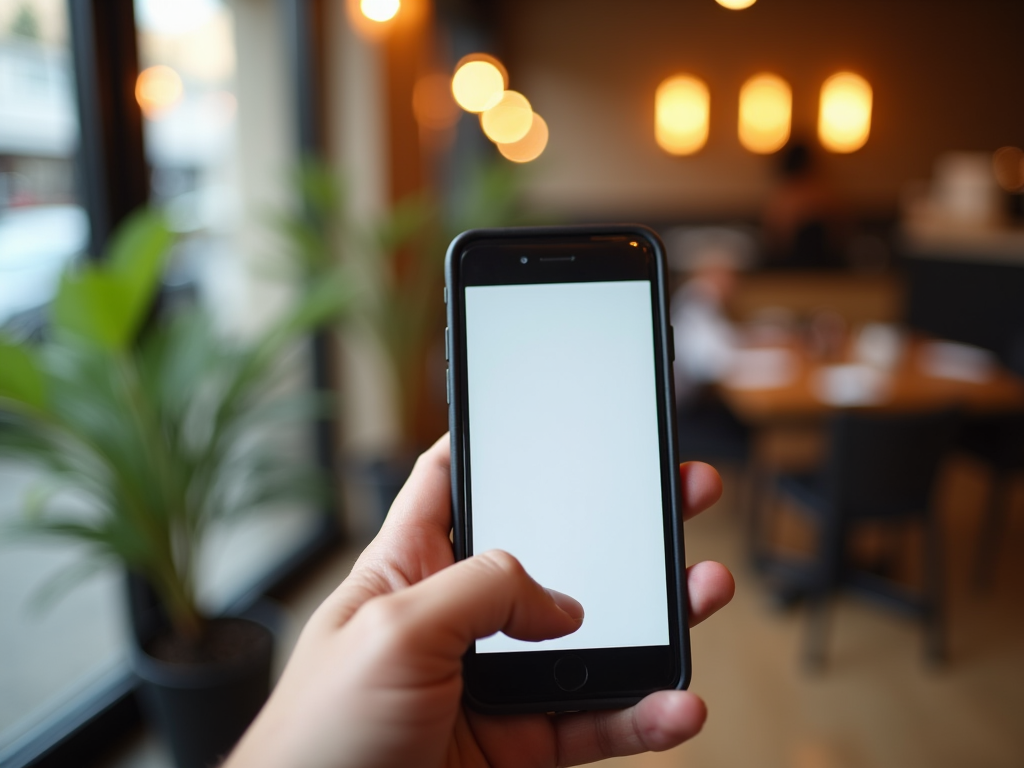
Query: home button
[{"x": 570, "y": 673}]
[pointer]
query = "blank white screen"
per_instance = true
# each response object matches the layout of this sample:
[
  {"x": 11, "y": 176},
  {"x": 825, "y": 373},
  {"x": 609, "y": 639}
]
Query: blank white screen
[{"x": 564, "y": 451}]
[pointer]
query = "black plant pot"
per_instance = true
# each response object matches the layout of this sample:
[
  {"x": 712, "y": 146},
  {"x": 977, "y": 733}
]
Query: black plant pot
[{"x": 202, "y": 709}]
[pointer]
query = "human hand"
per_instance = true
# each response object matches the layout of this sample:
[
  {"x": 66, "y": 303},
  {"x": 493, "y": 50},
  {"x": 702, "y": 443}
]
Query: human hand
[{"x": 375, "y": 679}]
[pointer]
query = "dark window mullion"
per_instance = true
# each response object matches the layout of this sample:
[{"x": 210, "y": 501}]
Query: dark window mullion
[{"x": 112, "y": 162}]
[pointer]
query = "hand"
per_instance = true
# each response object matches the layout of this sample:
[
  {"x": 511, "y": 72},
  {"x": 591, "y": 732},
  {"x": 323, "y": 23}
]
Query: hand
[{"x": 375, "y": 679}]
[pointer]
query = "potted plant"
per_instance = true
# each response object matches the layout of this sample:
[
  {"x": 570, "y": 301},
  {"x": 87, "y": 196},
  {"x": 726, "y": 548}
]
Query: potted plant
[
  {"x": 395, "y": 264},
  {"x": 156, "y": 424}
]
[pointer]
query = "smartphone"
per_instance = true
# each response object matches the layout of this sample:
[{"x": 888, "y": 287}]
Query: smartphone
[{"x": 561, "y": 411}]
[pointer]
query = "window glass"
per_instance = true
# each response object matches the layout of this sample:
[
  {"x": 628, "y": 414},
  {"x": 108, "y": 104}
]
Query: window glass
[
  {"x": 203, "y": 158},
  {"x": 46, "y": 656},
  {"x": 41, "y": 224},
  {"x": 218, "y": 197}
]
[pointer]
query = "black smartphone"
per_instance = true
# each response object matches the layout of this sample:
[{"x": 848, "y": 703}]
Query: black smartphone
[{"x": 562, "y": 418}]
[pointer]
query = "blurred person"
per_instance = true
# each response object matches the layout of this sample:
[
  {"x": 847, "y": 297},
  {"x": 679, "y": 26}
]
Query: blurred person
[
  {"x": 706, "y": 343},
  {"x": 705, "y": 340},
  {"x": 802, "y": 221},
  {"x": 376, "y": 677}
]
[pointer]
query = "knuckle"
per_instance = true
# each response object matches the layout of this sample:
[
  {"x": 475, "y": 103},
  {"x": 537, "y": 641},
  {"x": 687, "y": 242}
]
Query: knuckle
[
  {"x": 384, "y": 620},
  {"x": 502, "y": 562}
]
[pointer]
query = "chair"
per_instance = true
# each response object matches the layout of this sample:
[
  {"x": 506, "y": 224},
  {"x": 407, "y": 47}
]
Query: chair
[
  {"x": 880, "y": 468},
  {"x": 997, "y": 441}
]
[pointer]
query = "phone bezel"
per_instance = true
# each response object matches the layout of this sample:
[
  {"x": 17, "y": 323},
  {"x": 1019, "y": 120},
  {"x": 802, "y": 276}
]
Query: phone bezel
[{"x": 515, "y": 682}]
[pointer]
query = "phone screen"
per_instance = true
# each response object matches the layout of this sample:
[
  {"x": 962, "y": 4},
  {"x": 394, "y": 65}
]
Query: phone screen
[{"x": 564, "y": 451}]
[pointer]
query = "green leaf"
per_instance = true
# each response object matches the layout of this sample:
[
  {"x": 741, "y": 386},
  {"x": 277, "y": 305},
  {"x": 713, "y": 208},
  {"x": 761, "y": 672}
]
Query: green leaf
[
  {"x": 137, "y": 253},
  {"x": 321, "y": 192},
  {"x": 20, "y": 376},
  {"x": 93, "y": 306},
  {"x": 106, "y": 303}
]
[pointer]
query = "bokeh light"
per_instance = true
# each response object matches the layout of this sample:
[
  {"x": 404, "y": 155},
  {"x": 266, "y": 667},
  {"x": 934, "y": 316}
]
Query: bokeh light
[
  {"x": 736, "y": 5},
  {"x": 681, "y": 109},
  {"x": 1008, "y": 167},
  {"x": 509, "y": 120},
  {"x": 481, "y": 56},
  {"x": 766, "y": 108},
  {"x": 432, "y": 103},
  {"x": 478, "y": 85},
  {"x": 379, "y": 10},
  {"x": 844, "y": 117},
  {"x": 157, "y": 89},
  {"x": 530, "y": 146}
]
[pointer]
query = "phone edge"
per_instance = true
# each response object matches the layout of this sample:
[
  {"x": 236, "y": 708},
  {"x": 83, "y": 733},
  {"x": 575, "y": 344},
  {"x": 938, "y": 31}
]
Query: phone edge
[{"x": 458, "y": 490}]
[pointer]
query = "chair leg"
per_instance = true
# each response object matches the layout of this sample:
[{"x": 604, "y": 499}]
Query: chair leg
[
  {"x": 934, "y": 602},
  {"x": 760, "y": 504},
  {"x": 991, "y": 527},
  {"x": 816, "y": 637},
  {"x": 830, "y": 570}
]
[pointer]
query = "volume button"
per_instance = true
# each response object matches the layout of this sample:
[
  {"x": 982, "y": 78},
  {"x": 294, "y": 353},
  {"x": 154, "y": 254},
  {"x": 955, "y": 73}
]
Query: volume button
[
  {"x": 448, "y": 385},
  {"x": 446, "y": 344}
]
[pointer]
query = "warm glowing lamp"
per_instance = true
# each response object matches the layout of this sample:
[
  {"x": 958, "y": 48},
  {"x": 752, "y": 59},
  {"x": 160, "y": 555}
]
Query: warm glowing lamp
[
  {"x": 1008, "y": 167},
  {"x": 766, "y": 108},
  {"x": 844, "y": 117},
  {"x": 157, "y": 89},
  {"x": 736, "y": 5},
  {"x": 478, "y": 85},
  {"x": 379, "y": 10},
  {"x": 480, "y": 56},
  {"x": 530, "y": 146},
  {"x": 681, "y": 108},
  {"x": 509, "y": 120}
]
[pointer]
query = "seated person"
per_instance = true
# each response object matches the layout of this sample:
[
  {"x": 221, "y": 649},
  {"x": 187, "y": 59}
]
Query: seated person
[{"x": 802, "y": 221}]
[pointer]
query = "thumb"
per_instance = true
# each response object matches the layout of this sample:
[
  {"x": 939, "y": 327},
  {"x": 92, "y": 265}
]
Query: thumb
[{"x": 477, "y": 597}]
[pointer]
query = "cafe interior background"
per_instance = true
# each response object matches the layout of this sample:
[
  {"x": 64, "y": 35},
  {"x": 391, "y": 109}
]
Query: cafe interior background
[{"x": 840, "y": 187}]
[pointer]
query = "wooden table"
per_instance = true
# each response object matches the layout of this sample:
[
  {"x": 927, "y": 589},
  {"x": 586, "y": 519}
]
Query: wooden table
[{"x": 910, "y": 388}]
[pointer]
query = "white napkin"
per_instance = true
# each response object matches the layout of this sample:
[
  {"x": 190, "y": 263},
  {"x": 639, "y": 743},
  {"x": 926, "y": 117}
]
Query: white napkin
[
  {"x": 956, "y": 361},
  {"x": 762, "y": 368},
  {"x": 850, "y": 385}
]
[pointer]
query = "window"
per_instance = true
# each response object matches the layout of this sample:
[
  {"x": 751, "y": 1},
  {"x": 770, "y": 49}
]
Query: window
[
  {"x": 202, "y": 171},
  {"x": 46, "y": 657},
  {"x": 220, "y": 177}
]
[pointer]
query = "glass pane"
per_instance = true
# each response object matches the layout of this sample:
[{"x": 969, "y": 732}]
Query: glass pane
[
  {"x": 193, "y": 148},
  {"x": 189, "y": 88},
  {"x": 41, "y": 225},
  {"x": 46, "y": 655}
]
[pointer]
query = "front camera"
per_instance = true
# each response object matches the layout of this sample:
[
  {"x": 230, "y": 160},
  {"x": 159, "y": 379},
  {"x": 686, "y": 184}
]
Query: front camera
[{"x": 523, "y": 259}]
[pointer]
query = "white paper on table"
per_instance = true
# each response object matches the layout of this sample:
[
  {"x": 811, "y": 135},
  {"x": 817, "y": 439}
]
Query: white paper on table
[
  {"x": 880, "y": 345},
  {"x": 762, "y": 368},
  {"x": 850, "y": 385},
  {"x": 956, "y": 361}
]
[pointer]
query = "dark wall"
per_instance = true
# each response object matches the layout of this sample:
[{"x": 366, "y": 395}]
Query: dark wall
[
  {"x": 968, "y": 300},
  {"x": 946, "y": 76}
]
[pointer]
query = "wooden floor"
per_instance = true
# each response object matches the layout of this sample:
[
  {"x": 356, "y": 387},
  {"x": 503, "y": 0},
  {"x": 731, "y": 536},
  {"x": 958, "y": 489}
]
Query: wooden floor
[{"x": 877, "y": 705}]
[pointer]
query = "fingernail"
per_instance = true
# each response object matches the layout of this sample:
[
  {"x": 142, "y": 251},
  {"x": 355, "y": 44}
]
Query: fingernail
[{"x": 567, "y": 604}]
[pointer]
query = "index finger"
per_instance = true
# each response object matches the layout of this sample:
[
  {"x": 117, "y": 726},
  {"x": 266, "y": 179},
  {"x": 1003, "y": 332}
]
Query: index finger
[
  {"x": 701, "y": 487},
  {"x": 425, "y": 498}
]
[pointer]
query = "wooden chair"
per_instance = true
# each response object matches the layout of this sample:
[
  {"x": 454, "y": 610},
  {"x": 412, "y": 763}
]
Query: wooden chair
[
  {"x": 997, "y": 441},
  {"x": 880, "y": 468}
]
